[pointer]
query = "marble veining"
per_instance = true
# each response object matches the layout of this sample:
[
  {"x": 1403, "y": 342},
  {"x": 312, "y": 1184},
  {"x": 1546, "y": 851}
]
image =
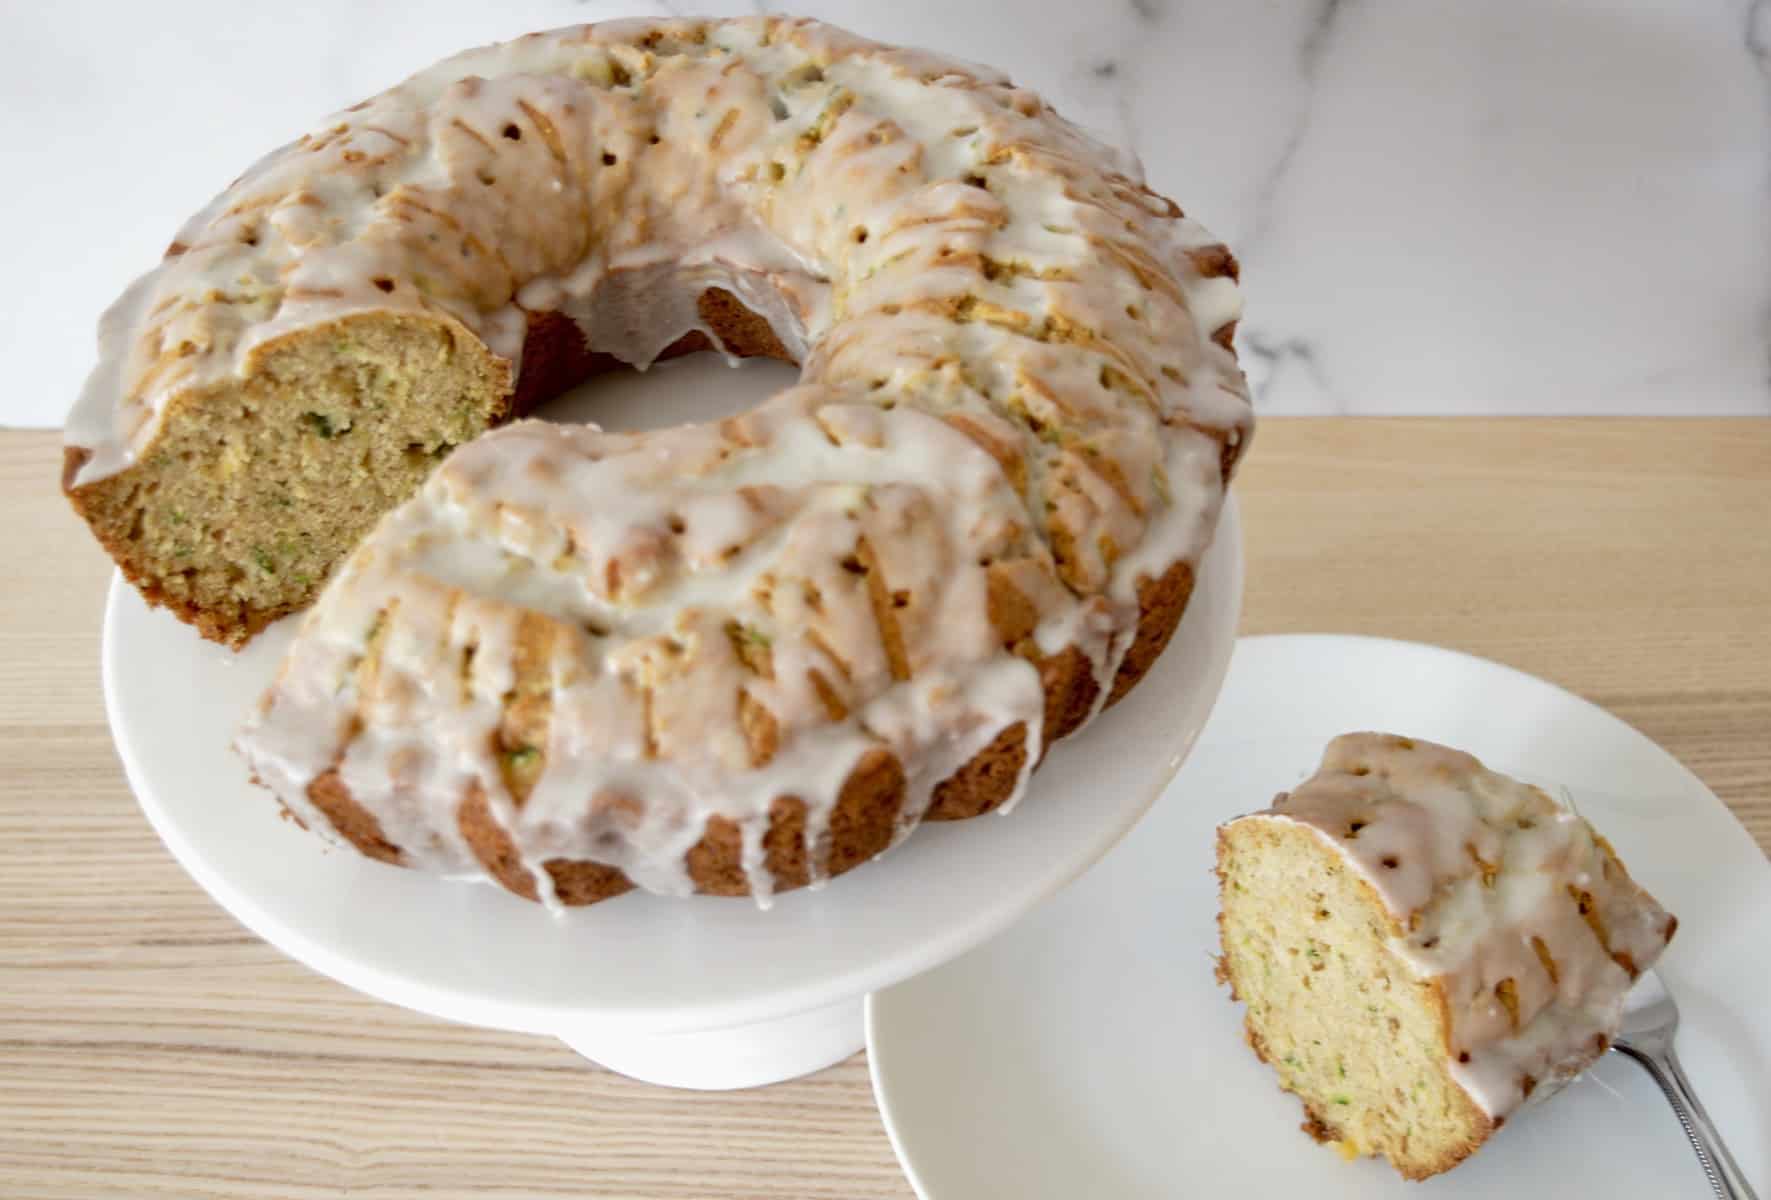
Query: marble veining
[
  {"x": 1307, "y": 69},
  {"x": 1758, "y": 34},
  {"x": 1539, "y": 206}
]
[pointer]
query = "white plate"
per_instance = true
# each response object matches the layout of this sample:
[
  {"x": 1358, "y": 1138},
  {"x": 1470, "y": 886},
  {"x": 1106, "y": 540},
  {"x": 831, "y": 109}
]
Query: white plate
[
  {"x": 1088, "y": 1052},
  {"x": 636, "y": 965}
]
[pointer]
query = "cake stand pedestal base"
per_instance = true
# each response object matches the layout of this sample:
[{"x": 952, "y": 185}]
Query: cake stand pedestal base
[{"x": 741, "y": 1056}]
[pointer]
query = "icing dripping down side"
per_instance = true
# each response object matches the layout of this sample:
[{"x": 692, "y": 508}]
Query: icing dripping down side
[
  {"x": 419, "y": 636},
  {"x": 1510, "y": 902}
]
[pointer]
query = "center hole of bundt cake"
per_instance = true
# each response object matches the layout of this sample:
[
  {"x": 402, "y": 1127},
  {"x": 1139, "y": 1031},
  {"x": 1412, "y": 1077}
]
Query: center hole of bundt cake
[
  {"x": 681, "y": 391},
  {"x": 573, "y": 373}
]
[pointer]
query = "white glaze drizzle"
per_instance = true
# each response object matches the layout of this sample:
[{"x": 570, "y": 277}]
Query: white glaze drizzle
[
  {"x": 1473, "y": 866},
  {"x": 956, "y": 267}
]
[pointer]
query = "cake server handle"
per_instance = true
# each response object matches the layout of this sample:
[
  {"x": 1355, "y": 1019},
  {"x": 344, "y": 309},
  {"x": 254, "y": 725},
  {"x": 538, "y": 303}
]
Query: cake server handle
[{"x": 1724, "y": 1174}]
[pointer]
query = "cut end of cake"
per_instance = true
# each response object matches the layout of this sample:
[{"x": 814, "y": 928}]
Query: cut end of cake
[
  {"x": 257, "y": 487},
  {"x": 1347, "y": 1028}
]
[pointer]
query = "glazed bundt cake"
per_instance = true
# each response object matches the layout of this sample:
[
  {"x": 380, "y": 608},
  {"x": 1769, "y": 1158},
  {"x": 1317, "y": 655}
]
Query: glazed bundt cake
[
  {"x": 1423, "y": 945},
  {"x": 735, "y": 657}
]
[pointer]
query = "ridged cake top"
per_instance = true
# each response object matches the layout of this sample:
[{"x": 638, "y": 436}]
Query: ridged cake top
[
  {"x": 1511, "y": 900},
  {"x": 1012, "y": 410},
  {"x": 514, "y": 177}
]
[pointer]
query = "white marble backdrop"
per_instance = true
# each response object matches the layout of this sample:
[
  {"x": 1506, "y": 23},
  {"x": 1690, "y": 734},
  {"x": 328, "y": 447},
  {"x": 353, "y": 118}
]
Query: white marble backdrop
[{"x": 1537, "y": 206}]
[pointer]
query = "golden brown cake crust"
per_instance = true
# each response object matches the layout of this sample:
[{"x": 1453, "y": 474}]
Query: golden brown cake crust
[
  {"x": 353, "y": 822},
  {"x": 866, "y": 814},
  {"x": 555, "y": 359}
]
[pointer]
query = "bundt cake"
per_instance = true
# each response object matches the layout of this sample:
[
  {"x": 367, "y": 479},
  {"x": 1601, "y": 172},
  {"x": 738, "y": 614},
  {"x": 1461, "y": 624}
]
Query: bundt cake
[
  {"x": 734, "y": 657},
  {"x": 1423, "y": 945}
]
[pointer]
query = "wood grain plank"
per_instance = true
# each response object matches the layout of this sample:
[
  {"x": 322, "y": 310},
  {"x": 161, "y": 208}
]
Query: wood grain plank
[
  {"x": 1627, "y": 560},
  {"x": 150, "y": 1047}
]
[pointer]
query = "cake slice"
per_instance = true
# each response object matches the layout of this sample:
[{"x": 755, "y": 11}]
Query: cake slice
[{"x": 1425, "y": 945}]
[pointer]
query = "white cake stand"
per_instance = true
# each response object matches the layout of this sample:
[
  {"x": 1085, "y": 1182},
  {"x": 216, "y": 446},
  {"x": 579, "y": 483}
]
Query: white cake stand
[{"x": 703, "y": 992}]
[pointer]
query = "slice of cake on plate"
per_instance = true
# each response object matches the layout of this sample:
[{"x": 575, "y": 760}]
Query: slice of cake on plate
[{"x": 1425, "y": 945}]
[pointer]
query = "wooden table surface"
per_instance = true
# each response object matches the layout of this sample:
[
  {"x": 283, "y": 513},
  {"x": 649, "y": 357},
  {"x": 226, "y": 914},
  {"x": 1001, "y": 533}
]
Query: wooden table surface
[{"x": 149, "y": 1046}]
